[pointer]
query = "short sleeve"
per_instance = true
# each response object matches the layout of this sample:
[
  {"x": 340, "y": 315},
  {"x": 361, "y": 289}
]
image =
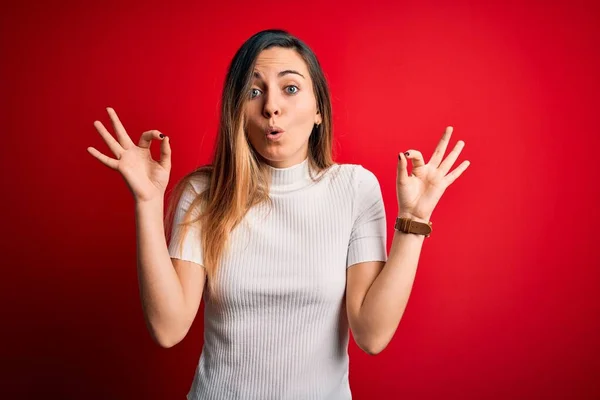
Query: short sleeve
[
  {"x": 368, "y": 238},
  {"x": 192, "y": 246}
]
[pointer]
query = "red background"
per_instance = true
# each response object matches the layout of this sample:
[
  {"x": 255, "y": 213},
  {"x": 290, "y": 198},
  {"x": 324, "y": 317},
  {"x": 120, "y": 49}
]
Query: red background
[{"x": 505, "y": 303}]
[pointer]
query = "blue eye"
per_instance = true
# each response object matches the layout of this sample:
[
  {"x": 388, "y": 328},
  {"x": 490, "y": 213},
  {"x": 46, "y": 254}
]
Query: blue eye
[
  {"x": 293, "y": 86},
  {"x": 251, "y": 92}
]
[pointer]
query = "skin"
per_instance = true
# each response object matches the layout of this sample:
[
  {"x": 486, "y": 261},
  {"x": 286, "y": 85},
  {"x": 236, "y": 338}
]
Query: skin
[
  {"x": 286, "y": 101},
  {"x": 376, "y": 292}
]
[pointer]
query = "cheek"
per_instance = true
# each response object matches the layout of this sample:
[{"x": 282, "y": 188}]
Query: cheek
[
  {"x": 304, "y": 110},
  {"x": 252, "y": 119}
]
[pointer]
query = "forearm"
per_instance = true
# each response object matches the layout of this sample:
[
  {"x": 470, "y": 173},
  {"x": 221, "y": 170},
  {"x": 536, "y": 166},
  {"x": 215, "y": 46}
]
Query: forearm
[
  {"x": 387, "y": 297},
  {"x": 160, "y": 290}
]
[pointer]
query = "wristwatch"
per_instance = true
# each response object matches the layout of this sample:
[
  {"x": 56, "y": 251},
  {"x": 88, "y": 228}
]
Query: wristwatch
[{"x": 408, "y": 225}]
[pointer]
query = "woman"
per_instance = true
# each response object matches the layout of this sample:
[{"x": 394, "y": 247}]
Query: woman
[{"x": 290, "y": 245}]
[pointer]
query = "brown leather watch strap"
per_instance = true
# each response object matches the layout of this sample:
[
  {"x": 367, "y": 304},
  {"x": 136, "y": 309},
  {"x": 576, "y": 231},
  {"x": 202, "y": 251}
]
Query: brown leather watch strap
[{"x": 408, "y": 225}]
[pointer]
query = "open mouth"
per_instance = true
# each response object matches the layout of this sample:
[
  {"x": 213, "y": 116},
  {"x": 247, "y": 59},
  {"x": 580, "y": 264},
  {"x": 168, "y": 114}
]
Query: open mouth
[
  {"x": 273, "y": 132},
  {"x": 274, "y": 135}
]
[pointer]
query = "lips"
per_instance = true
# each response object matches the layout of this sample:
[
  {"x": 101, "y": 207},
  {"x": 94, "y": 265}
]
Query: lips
[{"x": 273, "y": 130}]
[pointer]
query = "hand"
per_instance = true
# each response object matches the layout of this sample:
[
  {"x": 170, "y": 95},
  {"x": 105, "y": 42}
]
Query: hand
[
  {"x": 147, "y": 179},
  {"x": 419, "y": 193}
]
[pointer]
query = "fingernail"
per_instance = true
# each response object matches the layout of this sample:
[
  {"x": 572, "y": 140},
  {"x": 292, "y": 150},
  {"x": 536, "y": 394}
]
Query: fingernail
[
  {"x": 161, "y": 136},
  {"x": 406, "y": 154}
]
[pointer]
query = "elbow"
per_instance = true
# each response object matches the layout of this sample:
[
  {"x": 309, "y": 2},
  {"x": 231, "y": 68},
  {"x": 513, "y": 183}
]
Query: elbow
[
  {"x": 166, "y": 338},
  {"x": 373, "y": 347},
  {"x": 166, "y": 342},
  {"x": 372, "y": 351}
]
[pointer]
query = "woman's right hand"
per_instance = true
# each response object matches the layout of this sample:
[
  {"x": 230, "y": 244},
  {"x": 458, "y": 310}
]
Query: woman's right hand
[{"x": 147, "y": 179}]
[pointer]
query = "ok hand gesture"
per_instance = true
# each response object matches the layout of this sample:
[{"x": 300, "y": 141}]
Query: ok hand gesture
[
  {"x": 147, "y": 179},
  {"x": 419, "y": 192}
]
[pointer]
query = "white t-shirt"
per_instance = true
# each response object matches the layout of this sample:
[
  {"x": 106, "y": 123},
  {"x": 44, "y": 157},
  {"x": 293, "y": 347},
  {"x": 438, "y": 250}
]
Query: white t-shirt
[{"x": 282, "y": 330}]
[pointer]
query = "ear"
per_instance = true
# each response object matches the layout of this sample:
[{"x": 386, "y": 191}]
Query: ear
[{"x": 318, "y": 118}]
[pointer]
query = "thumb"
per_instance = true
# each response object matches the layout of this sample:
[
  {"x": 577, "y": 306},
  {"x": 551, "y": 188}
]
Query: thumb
[{"x": 165, "y": 153}]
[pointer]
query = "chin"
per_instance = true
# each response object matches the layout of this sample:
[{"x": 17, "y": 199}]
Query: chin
[
  {"x": 275, "y": 156},
  {"x": 278, "y": 152}
]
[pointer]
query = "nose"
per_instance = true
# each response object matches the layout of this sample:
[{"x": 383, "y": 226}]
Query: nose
[{"x": 271, "y": 106}]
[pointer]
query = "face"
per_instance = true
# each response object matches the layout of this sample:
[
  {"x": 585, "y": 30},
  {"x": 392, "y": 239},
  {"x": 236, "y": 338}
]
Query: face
[{"x": 281, "y": 96}]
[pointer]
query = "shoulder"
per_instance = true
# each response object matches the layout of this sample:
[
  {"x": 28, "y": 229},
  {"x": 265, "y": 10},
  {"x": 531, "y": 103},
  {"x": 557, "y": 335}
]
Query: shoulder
[
  {"x": 190, "y": 189},
  {"x": 197, "y": 181},
  {"x": 358, "y": 175}
]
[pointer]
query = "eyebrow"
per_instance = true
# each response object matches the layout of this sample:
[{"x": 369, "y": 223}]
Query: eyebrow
[{"x": 282, "y": 73}]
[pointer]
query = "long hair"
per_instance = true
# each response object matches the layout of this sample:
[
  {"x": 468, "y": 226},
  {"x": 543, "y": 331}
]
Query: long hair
[{"x": 237, "y": 178}]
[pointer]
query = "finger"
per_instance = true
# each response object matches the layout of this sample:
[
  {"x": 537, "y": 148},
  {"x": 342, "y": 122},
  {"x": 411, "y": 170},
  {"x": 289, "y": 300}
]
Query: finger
[
  {"x": 122, "y": 135},
  {"x": 147, "y": 138},
  {"x": 415, "y": 157},
  {"x": 165, "y": 153},
  {"x": 109, "y": 162},
  {"x": 401, "y": 172},
  {"x": 440, "y": 149},
  {"x": 452, "y": 176},
  {"x": 112, "y": 143},
  {"x": 452, "y": 156}
]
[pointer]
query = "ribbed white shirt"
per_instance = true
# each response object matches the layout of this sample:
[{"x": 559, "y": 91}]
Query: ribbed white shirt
[{"x": 282, "y": 330}]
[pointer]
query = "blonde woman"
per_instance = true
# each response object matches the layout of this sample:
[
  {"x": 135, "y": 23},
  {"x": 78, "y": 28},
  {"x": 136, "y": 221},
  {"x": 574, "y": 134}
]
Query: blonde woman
[{"x": 286, "y": 247}]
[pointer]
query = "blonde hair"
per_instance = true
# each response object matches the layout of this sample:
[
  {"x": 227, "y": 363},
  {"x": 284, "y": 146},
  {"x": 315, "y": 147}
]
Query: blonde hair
[{"x": 237, "y": 178}]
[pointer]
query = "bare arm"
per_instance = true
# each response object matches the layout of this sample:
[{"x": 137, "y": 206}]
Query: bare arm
[{"x": 170, "y": 289}]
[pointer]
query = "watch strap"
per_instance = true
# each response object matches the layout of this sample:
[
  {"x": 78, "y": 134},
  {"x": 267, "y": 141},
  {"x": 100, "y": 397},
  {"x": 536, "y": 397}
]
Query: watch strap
[{"x": 408, "y": 225}]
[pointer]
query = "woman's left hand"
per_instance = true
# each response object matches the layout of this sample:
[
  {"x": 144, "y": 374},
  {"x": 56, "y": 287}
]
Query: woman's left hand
[{"x": 419, "y": 193}]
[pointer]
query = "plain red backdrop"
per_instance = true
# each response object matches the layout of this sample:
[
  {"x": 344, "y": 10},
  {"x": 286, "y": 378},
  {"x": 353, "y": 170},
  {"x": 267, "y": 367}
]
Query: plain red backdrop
[{"x": 505, "y": 303}]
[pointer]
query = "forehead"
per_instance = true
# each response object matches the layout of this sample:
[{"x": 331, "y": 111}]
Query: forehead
[{"x": 271, "y": 61}]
